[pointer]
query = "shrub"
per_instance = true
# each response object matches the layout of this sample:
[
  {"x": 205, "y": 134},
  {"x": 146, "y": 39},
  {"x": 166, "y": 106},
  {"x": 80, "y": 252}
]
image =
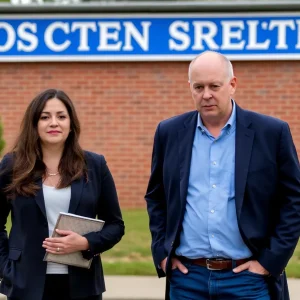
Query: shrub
[{"x": 2, "y": 142}]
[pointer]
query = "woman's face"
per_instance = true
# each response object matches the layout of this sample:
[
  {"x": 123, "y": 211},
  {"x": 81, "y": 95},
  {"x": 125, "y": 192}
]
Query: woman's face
[{"x": 54, "y": 123}]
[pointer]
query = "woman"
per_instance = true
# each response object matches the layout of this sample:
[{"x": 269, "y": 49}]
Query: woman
[{"x": 46, "y": 173}]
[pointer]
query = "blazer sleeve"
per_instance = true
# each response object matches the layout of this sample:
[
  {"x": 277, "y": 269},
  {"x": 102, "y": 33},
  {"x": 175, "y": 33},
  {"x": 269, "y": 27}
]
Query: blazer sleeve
[
  {"x": 156, "y": 205},
  {"x": 286, "y": 235},
  {"x": 108, "y": 209},
  {"x": 4, "y": 212}
]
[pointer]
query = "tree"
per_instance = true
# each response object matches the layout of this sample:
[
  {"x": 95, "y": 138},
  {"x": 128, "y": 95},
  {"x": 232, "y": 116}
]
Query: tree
[{"x": 2, "y": 142}]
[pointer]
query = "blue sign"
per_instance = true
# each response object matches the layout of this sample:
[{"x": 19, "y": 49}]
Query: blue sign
[{"x": 148, "y": 37}]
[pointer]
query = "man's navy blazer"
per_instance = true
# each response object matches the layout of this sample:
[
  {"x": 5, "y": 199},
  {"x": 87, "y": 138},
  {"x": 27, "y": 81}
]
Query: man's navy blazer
[
  {"x": 267, "y": 190},
  {"x": 21, "y": 256}
]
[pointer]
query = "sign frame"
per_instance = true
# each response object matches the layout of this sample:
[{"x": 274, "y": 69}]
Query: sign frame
[{"x": 148, "y": 57}]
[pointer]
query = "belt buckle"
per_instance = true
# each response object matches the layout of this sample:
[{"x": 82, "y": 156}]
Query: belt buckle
[{"x": 209, "y": 267}]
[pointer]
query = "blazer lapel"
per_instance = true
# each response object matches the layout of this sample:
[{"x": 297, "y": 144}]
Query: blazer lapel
[
  {"x": 185, "y": 141},
  {"x": 76, "y": 191},
  {"x": 39, "y": 198},
  {"x": 243, "y": 148}
]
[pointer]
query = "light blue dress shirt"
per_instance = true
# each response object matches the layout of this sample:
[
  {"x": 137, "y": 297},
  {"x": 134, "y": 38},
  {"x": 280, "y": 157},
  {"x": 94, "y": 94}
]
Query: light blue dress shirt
[{"x": 210, "y": 226}]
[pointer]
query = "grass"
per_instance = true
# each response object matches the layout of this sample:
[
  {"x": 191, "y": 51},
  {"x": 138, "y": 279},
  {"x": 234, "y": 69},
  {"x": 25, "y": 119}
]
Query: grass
[
  {"x": 293, "y": 268},
  {"x": 132, "y": 255}
]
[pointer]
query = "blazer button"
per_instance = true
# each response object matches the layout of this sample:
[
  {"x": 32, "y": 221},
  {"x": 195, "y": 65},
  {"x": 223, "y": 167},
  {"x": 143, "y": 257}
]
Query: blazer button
[{"x": 172, "y": 243}]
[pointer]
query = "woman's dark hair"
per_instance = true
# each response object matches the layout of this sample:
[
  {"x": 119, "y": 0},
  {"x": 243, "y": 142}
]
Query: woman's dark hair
[{"x": 28, "y": 165}]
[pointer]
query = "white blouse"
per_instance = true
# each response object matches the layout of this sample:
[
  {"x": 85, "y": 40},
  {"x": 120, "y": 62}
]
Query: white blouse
[{"x": 56, "y": 201}]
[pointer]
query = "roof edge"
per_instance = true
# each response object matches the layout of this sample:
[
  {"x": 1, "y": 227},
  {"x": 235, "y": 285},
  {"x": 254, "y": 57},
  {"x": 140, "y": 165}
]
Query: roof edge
[{"x": 155, "y": 7}]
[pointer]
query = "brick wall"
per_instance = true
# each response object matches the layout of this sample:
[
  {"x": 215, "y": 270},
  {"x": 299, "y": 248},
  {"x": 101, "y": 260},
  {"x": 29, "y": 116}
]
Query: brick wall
[{"x": 120, "y": 104}]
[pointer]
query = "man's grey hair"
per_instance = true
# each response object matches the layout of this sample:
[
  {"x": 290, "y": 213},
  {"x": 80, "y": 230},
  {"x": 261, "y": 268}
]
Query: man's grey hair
[{"x": 226, "y": 60}]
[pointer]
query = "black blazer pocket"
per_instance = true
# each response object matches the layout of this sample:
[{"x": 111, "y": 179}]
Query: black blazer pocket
[
  {"x": 262, "y": 182},
  {"x": 13, "y": 256},
  {"x": 266, "y": 169},
  {"x": 263, "y": 174}
]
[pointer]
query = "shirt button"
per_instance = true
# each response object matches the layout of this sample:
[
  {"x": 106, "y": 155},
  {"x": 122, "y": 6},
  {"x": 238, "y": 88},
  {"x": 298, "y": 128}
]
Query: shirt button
[
  {"x": 214, "y": 163},
  {"x": 214, "y": 186},
  {"x": 212, "y": 211},
  {"x": 212, "y": 235}
]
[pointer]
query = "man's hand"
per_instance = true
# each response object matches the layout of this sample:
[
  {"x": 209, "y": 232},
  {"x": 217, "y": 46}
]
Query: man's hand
[
  {"x": 252, "y": 266},
  {"x": 176, "y": 264},
  {"x": 68, "y": 242}
]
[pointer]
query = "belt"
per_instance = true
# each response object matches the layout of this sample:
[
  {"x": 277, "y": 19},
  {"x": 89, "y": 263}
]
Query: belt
[{"x": 215, "y": 264}]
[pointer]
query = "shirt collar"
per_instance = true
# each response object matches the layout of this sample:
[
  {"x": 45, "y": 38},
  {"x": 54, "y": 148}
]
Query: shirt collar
[{"x": 230, "y": 123}]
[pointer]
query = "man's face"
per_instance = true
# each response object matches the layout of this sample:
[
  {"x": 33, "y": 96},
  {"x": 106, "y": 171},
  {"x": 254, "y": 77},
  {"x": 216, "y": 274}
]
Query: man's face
[{"x": 212, "y": 89}]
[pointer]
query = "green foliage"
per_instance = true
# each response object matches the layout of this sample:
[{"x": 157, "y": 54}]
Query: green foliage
[{"x": 2, "y": 142}]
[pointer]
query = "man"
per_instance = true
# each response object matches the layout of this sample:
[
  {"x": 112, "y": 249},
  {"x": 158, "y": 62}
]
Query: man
[{"x": 224, "y": 194}]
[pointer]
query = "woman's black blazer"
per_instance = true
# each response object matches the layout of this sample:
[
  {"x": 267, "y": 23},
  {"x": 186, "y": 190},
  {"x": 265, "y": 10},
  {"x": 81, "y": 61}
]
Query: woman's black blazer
[{"x": 22, "y": 268}]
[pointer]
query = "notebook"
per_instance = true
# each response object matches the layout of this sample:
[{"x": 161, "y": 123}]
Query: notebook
[{"x": 81, "y": 225}]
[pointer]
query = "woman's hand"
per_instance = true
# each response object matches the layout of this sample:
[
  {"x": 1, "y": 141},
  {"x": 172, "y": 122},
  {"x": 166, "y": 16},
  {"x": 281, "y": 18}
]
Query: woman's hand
[{"x": 69, "y": 242}]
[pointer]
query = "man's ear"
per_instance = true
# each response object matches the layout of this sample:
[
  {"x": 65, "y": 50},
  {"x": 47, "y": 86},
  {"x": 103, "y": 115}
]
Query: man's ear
[
  {"x": 233, "y": 84},
  {"x": 190, "y": 86}
]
